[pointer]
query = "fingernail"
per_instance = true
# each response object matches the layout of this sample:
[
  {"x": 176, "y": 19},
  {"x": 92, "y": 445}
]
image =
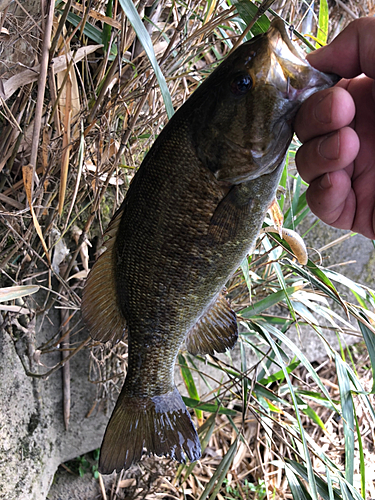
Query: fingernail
[
  {"x": 322, "y": 110},
  {"x": 325, "y": 182},
  {"x": 329, "y": 147}
]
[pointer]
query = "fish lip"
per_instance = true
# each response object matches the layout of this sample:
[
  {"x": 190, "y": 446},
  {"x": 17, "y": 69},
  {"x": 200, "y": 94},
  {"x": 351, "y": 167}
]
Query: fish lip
[
  {"x": 277, "y": 27},
  {"x": 316, "y": 80}
]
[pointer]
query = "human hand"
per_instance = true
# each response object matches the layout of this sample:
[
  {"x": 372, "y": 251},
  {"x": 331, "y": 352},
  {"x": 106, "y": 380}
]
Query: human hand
[{"x": 337, "y": 129}]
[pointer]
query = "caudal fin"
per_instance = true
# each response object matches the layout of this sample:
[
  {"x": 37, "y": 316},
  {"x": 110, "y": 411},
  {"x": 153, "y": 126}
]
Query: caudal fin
[{"x": 160, "y": 425}]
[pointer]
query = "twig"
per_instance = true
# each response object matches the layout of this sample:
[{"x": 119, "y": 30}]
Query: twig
[
  {"x": 266, "y": 4},
  {"x": 346, "y": 8},
  {"x": 65, "y": 345},
  {"x": 41, "y": 89}
]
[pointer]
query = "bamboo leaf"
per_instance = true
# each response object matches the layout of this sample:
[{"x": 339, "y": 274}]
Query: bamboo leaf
[
  {"x": 362, "y": 466},
  {"x": 310, "y": 472},
  {"x": 143, "y": 36},
  {"x": 322, "y": 34},
  {"x": 247, "y": 10},
  {"x": 322, "y": 486},
  {"x": 16, "y": 292},
  {"x": 189, "y": 382},
  {"x": 347, "y": 407},
  {"x": 107, "y": 28},
  {"x": 307, "y": 410},
  {"x": 27, "y": 174},
  {"x": 220, "y": 473},
  {"x": 369, "y": 339},
  {"x": 298, "y": 491},
  {"x": 269, "y": 301},
  {"x": 210, "y": 407}
]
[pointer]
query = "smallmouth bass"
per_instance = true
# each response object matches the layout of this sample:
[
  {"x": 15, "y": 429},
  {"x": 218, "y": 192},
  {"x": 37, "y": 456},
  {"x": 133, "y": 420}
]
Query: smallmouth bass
[{"x": 192, "y": 213}]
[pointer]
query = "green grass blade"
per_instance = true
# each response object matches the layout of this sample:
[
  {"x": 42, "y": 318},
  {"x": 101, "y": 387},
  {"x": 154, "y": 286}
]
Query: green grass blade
[
  {"x": 210, "y": 407},
  {"x": 189, "y": 382},
  {"x": 220, "y": 473},
  {"x": 322, "y": 487},
  {"x": 352, "y": 285},
  {"x": 143, "y": 36},
  {"x": 245, "y": 380},
  {"x": 369, "y": 339},
  {"x": 276, "y": 266},
  {"x": 362, "y": 467},
  {"x": 306, "y": 363},
  {"x": 264, "y": 304},
  {"x": 318, "y": 398},
  {"x": 347, "y": 407},
  {"x": 107, "y": 28},
  {"x": 247, "y": 10},
  {"x": 310, "y": 471},
  {"x": 307, "y": 410},
  {"x": 297, "y": 489},
  {"x": 95, "y": 34},
  {"x": 322, "y": 34},
  {"x": 279, "y": 376}
]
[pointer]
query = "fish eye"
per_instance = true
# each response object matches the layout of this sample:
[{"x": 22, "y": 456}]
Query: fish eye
[{"x": 241, "y": 84}]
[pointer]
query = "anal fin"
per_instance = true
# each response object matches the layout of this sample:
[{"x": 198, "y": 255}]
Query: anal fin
[
  {"x": 216, "y": 330},
  {"x": 100, "y": 310}
]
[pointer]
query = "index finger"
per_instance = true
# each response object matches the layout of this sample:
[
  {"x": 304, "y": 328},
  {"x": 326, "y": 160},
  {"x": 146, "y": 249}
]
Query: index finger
[
  {"x": 351, "y": 53},
  {"x": 324, "y": 112}
]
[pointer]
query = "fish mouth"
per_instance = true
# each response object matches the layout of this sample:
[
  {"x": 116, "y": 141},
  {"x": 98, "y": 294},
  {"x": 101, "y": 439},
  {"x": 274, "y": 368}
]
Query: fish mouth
[{"x": 289, "y": 70}]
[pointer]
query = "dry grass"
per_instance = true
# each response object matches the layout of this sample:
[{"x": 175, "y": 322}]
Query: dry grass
[{"x": 70, "y": 145}]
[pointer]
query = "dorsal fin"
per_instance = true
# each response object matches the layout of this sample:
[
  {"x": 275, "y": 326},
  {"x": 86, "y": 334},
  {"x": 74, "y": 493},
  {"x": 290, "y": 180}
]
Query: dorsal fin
[
  {"x": 216, "y": 330},
  {"x": 100, "y": 310}
]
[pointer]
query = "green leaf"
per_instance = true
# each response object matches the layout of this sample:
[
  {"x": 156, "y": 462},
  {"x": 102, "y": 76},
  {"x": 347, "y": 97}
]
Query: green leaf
[
  {"x": 347, "y": 407},
  {"x": 210, "y": 407},
  {"x": 306, "y": 363},
  {"x": 322, "y": 34},
  {"x": 279, "y": 376},
  {"x": 369, "y": 338},
  {"x": 245, "y": 380},
  {"x": 322, "y": 487},
  {"x": 310, "y": 471},
  {"x": 307, "y": 410},
  {"x": 220, "y": 473},
  {"x": 189, "y": 382},
  {"x": 362, "y": 466},
  {"x": 283, "y": 181},
  {"x": 89, "y": 30},
  {"x": 106, "y": 36},
  {"x": 247, "y": 10},
  {"x": 317, "y": 278},
  {"x": 297, "y": 489},
  {"x": 143, "y": 36},
  {"x": 264, "y": 304},
  {"x": 319, "y": 399}
]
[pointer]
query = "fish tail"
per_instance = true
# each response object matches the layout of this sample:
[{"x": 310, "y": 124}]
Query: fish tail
[{"x": 159, "y": 424}]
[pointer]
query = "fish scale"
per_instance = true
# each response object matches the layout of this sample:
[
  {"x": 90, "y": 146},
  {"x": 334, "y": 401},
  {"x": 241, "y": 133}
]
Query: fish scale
[{"x": 191, "y": 214}]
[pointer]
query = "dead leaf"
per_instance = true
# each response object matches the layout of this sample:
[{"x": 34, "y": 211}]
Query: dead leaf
[{"x": 27, "y": 173}]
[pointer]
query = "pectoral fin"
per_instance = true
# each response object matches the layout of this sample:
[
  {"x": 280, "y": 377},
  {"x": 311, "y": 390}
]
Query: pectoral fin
[
  {"x": 216, "y": 330},
  {"x": 229, "y": 214},
  {"x": 99, "y": 307}
]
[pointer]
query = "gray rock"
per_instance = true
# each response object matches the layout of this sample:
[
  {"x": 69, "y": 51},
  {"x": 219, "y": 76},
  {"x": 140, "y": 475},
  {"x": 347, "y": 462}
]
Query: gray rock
[{"x": 33, "y": 440}]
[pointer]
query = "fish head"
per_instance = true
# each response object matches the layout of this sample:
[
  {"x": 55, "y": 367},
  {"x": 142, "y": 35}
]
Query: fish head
[{"x": 246, "y": 107}]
